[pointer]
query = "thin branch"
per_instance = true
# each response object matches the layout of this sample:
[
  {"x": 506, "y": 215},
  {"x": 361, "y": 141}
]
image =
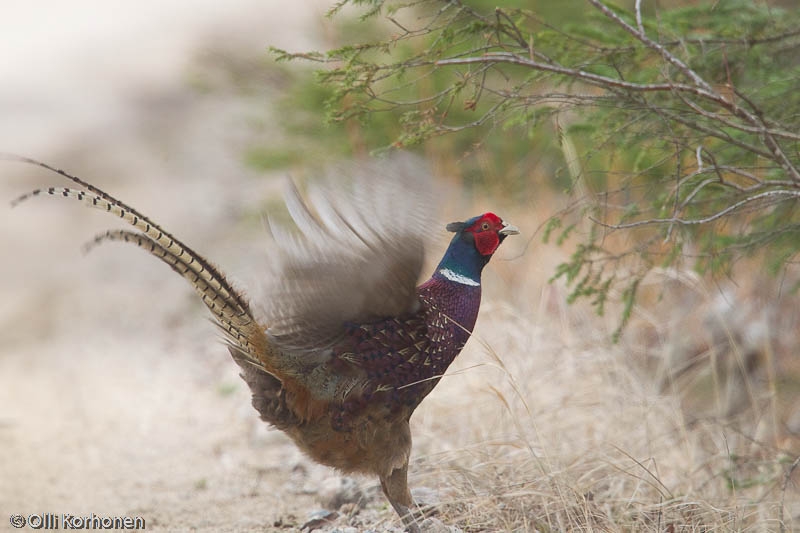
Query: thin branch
[
  {"x": 711, "y": 218},
  {"x": 638, "y": 8},
  {"x": 749, "y": 42},
  {"x": 761, "y": 129},
  {"x": 515, "y": 35},
  {"x": 486, "y": 116},
  {"x": 666, "y": 54},
  {"x": 695, "y": 191},
  {"x": 719, "y": 134},
  {"x": 594, "y": 79}
]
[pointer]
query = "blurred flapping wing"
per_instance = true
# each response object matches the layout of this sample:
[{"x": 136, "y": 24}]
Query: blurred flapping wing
[{"x": 356, "y": 253}]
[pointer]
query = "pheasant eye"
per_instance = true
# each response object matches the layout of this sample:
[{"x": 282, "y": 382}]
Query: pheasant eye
[{"x": 485, "y": 226}]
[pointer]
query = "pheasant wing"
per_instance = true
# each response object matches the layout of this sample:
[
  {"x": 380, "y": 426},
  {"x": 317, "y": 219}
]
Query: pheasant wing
[{"x": 356, "y": 254}]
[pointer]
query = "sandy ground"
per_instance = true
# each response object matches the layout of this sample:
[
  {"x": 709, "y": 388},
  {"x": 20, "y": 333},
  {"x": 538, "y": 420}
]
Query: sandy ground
[{"x": 116, "y": 395}]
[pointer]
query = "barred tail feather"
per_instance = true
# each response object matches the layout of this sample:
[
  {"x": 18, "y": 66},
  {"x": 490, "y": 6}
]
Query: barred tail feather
[
  {"x": 103, "y": 201},
  {"x": 99, "y": 199},
  {"x": 231, "y": 310},
  {"x": 237, "y": 324}
]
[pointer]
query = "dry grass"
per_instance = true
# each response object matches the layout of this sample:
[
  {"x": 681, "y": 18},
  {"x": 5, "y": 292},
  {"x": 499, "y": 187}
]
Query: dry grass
[{"x": 545, "y": 425}]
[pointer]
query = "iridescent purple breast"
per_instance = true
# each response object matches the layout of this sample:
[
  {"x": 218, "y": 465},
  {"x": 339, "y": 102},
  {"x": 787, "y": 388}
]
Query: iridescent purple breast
[{"x": 405, "y": 357}]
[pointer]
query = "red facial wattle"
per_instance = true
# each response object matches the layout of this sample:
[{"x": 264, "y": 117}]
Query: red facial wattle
[
  {"x": 487, "y": 241},
  {"x": 485, "y": 230}
]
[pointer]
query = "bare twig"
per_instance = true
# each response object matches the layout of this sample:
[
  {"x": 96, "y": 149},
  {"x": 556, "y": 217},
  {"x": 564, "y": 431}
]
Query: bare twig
[
  {"x": 638, "y": 8},
  {"x": 711, "y": 218},
  {"x": 666, "y": 54},
  {"x": 594, "y": 79}
]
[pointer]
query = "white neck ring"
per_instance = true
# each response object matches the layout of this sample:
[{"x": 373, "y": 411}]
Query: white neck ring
[{"x": 459, "y": 278}]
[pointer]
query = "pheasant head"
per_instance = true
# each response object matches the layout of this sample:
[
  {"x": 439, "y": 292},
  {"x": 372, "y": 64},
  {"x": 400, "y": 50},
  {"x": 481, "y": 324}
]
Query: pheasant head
[{"x": 473, "y": 244}]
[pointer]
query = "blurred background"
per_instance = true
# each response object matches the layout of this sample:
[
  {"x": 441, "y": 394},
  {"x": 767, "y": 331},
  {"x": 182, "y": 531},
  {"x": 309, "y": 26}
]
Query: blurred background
[{"x": 117, "y": 398}]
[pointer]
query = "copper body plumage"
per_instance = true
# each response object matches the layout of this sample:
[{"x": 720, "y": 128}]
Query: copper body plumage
[{"x": 348, "y": 346}]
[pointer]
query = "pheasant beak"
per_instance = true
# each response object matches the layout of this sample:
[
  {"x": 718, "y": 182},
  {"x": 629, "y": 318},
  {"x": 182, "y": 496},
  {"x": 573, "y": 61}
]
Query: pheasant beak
[{"x": 508, "y": 229}]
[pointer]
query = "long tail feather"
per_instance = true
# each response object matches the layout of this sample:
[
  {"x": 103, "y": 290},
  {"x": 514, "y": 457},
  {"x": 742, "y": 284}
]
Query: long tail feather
[
  {"x": 107, "y": 203},
  {"x": 230, "y": 309},
  {"x": 229, "y": 317},
  {"x": 104, "y": 201}
]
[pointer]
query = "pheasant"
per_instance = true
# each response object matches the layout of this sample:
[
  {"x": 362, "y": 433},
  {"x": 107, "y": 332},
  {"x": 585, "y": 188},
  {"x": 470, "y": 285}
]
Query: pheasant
[{"x": 349, "y": 345}]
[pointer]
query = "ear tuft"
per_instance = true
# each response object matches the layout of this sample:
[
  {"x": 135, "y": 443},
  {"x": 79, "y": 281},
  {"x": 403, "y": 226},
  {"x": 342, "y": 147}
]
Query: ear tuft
[{"x": 455, "y": 227}]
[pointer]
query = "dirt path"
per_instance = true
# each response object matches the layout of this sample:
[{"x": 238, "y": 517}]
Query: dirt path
[{"x": 116, "y": 396}]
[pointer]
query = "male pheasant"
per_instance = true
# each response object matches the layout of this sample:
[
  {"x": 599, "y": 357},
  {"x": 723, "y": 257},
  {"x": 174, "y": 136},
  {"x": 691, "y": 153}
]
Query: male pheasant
[{"x": 349, "y": 345}]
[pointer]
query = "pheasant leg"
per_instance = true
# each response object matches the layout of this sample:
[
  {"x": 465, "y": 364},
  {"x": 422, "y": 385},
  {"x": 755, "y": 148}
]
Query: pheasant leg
[{"x": 395, "y": 487}]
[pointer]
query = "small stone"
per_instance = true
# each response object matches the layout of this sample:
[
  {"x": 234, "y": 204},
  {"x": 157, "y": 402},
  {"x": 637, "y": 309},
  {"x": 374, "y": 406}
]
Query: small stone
[
  {"x": 335, "y": 492},
  {"x": 434, "y": 525},
  {"x": 318, "y": 519}
]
